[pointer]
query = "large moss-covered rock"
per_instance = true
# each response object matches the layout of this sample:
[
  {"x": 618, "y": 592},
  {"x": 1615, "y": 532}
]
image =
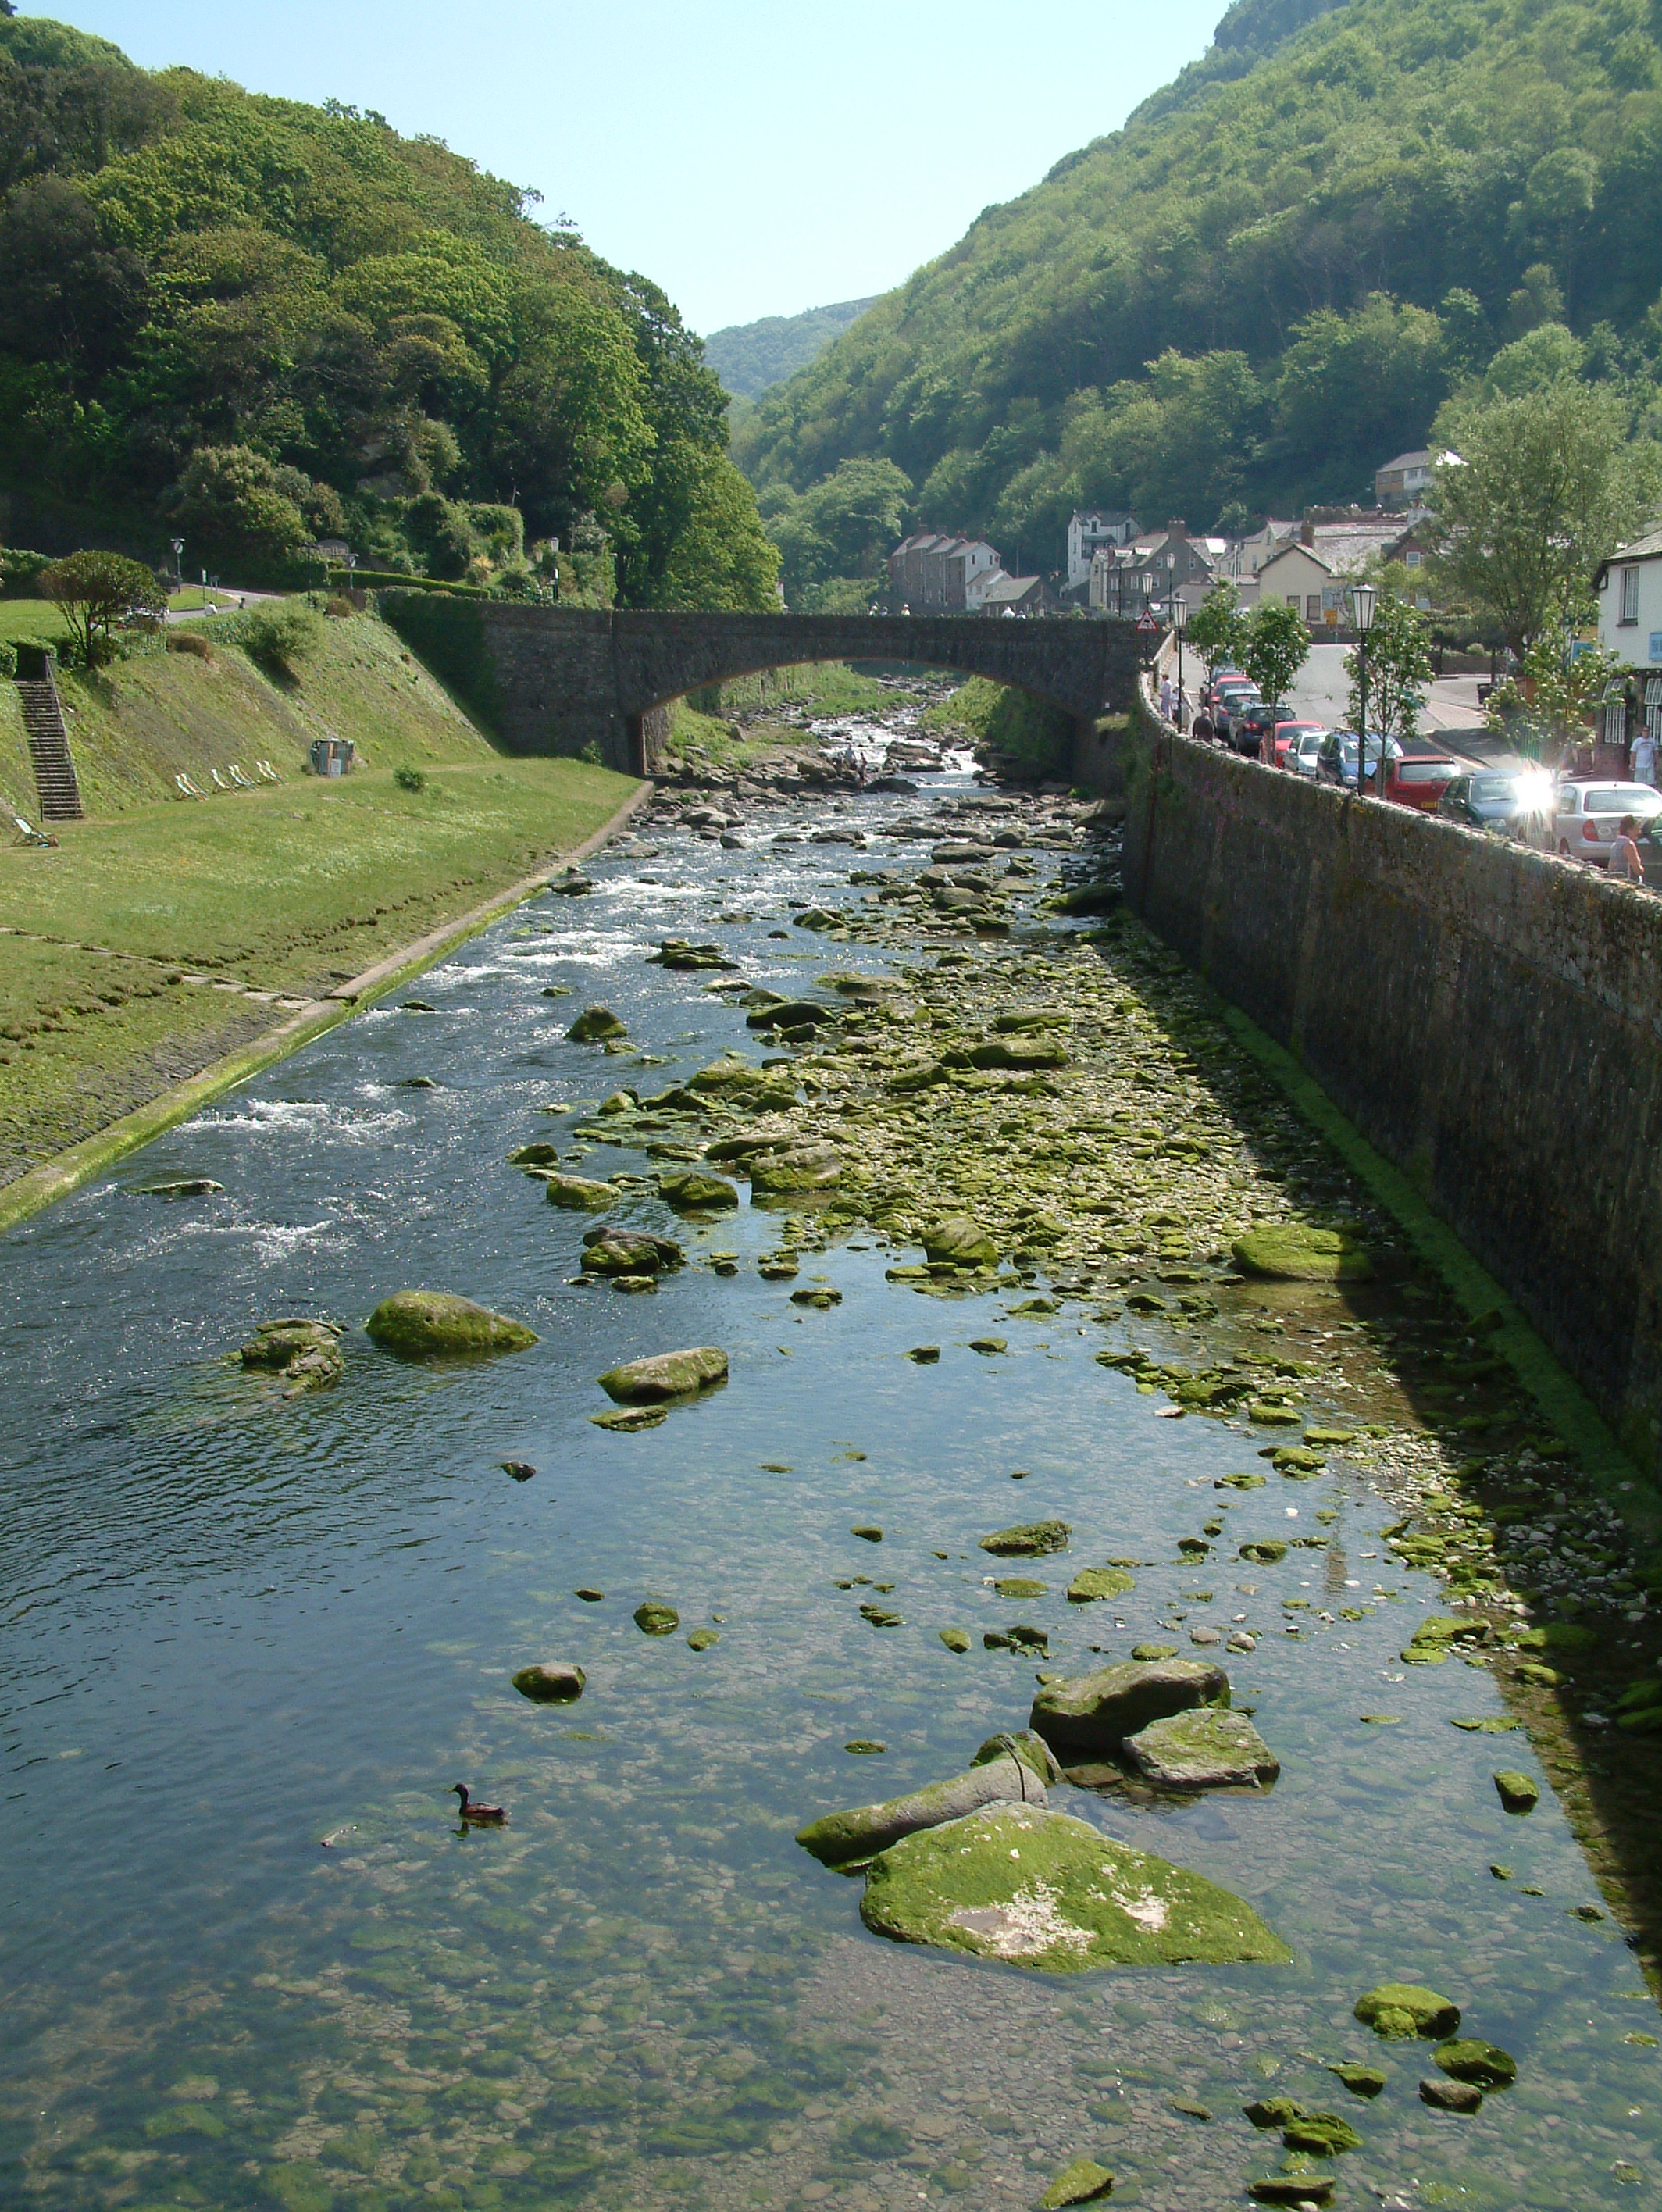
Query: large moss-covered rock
[
  {"x": 1469, "y": 2059},
  {"x": 665, "y": 1375},
  {"x": 1083, "y": 2183},
  {"x": 1520, "y": 1792},
  {"x": 656, "y": 1616},
  {"x": 579, "y": 1194},
  {"x": 1288, "y": 1252},
  {"x": 846, "y": 1839},
  {"x": 812, "y": 1166},
  {"x": 436, "y": 1325},
  {"x": 539, "y": 1154},
  {"x": 996, "y": 1053},
  {"x": 629, "y": 1252},
  {"x": 1089, "y": 1714},
  {"x": 1405, "y": 2009},
  {"x": 1093, "y": 1582},
  {"x": 551, "y": 1682},
  {"x": 595, "y": 1025},
  {"x": 306, "y": 1353},
  {"x": 1207, "y": 1748},
  {"x": 1028, "y": 1540},
  {"x": 1040, "y": 1889},
  {"x": 790, "y": 1014},
  {"x": 742, "y": 1084},
  {"x": 690, "y": 1190},
  {"x": 960, "y": 1242}
]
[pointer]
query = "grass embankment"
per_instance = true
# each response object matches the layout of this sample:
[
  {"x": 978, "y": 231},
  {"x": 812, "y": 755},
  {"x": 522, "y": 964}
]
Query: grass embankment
[
  {"x": 728, "y": 725},
  {"x": 1022, "y": 733},
  {"x": 286, "y": 889}
]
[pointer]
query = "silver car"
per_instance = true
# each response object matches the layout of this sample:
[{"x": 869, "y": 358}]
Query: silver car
[
  {"x": 1301, "y": 755},
  {"x": 1587, "y": 815}
]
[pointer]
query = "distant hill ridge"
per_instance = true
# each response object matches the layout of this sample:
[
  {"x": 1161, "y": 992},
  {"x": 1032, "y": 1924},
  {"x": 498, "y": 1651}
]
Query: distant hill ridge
[
  {"x": 1270, "y": 279},
  {"x": 750, "y": 358}
]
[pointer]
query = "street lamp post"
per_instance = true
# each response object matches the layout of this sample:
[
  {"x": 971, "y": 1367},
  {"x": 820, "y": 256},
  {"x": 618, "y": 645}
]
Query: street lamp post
[
  {"x": 178, "y": 545},
  {"x": 1361, "y": 599},
  {"x": 1179, "y": 624}
]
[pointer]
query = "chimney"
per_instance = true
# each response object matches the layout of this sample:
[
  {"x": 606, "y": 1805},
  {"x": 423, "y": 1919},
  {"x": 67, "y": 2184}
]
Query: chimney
[
  {"x": 1307, "y": 534},
  {"x": 1179, "y": 529}
]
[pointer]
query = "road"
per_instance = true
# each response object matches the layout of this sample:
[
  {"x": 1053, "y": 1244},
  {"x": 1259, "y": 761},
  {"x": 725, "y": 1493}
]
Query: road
[{"x": 1321, "y": 687}]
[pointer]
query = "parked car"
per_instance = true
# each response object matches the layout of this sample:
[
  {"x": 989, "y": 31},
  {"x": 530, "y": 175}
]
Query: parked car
[
  {"x": 1586, "y": 814},
  {"x": 1419, "y": 779},
  {"x": 1336, "y": 763},
  {"x": 1304, "y": 751},
  {"x": 1253, "y": 725},
  {"x": 1286, "y": 735},
  {"x": 1509, "y": 803}
]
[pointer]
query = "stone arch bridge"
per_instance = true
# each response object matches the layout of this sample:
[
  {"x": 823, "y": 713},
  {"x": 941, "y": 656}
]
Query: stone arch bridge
[{"x": 556, "y": 679}]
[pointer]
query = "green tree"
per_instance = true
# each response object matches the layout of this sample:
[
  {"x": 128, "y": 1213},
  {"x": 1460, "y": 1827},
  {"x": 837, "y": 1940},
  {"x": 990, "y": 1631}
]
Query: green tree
[
  {"x": 1275, "y": 646},
  {"x": 1217, "y": 629},
  {"x": 1552, "y": 704},
  {"x": 94, "y": 591},
  {"x": 1399, "y": 670},
  {"x": 1545, "y": 486},
  {"x": 722, "y": 557}
]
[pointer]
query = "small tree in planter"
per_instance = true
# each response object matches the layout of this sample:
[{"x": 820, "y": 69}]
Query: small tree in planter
[
  {"x": 1275, "y": 647},
  {"x": 1399, "y": 669},
  {"x": 1217, "y": 629}
]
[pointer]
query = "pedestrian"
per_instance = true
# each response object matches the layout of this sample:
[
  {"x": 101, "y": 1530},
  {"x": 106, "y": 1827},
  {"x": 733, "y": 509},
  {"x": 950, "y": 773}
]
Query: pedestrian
[
  {"x": 1644, "y": 756},
  {"x": 1201, "y": 727},
  {"x": 1166, "y": 699},
  {"x": 1626, "y": 866}
]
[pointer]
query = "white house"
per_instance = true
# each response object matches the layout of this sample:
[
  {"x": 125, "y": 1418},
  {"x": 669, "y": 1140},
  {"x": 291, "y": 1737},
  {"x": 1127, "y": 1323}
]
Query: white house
[
  {"x": 1629, "y": 588},
  {"x": 1087, "y": 528}
]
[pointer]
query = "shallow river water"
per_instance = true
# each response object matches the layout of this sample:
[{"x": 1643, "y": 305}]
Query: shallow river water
[{"x": 248, "y": 1644}]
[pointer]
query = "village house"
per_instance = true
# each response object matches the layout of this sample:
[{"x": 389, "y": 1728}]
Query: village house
[
  {"x": 1313, "y": 572},
  {"x": 1405, "y": 481},
  {"x": 1628, "y": 590},
  {"x": 1088, "y": 529},
  {"x": 937, "y": 573}
]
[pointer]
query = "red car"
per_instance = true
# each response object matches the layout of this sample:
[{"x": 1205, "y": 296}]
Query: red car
[
  {"x": 1287, "y": 734},
  {"x": 1420, "y": 779}
]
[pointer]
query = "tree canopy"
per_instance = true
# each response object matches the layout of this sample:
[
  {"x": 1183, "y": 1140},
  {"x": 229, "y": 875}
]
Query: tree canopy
[
  {"x": 1267, "y": 283},
  {"x": 258, "y": 322}
]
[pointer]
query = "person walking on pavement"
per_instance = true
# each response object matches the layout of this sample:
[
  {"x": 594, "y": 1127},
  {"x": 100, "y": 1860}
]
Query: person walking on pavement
[
  {"x": 1644, "y": 756},
  {"x": 1166, "y": 699},
  {"x": 1625, "y": 864}
]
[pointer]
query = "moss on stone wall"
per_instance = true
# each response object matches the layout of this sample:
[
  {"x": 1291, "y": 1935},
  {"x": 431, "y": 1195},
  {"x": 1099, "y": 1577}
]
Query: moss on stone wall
[{"x": 448, "y": 633}]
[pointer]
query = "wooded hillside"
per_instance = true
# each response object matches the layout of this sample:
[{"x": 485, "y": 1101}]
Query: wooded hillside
[
  {"x": 256, "y": 322},
  {"x": 1267, "y": 282}
]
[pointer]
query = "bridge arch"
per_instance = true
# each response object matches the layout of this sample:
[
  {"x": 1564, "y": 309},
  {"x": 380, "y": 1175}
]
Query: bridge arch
[{"x": 558, "y": 680}]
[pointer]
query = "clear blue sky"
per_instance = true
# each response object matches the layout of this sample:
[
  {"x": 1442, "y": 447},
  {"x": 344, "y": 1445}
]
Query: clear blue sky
[{"x": 753, "y": 158}]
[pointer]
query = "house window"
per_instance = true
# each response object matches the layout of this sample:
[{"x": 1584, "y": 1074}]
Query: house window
[
  {"x": 1411, "y": 559},
  {"x": 1312, "y": 606},
  {"x": 1630, "y": 595}
]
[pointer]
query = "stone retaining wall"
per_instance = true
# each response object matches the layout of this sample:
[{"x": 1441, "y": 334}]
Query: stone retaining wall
[{"x": 1490, "y": 1018}]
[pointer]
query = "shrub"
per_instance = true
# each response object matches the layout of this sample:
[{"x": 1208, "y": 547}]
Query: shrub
[
  {"x": 8, "y": 657},
  {"x": 339, "y": 607},
  {"x": 277, "y": 635},
  {"x": 409, "y": 779},
  {"x": 20, "y": 572},
  {"x": 94, "y": 590},
  {"x": 191, "y": 641}
]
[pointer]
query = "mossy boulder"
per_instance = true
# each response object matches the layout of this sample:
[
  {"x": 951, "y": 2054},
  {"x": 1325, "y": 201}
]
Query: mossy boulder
[
  {"x": 629, "y": 1252},
  {"x": 1082, "y": 2183},
  {"x": 690, "y": 1190},
  {"x": 960, "y": 1240},
  {"x": 1088, "y": 1715},
  {"x": 1288, "y": 1252},
  {"x": 848, "y": 1838},
  {"x": 1209, "y": 1747},
  {"x": 655, "y": 1616},
  {"x": 1266, "y": 1551},
  {"x": 1028, "y": 1539},
  {"x": 813, "y": 1166},
  {"x": 306, "y": 1353},
  {"x": 1469, "y": 2059},
  {"x": 550, "y": 1682},
  {"x": 437, "y": 1325},
  {"x": 1322, "y": 2135},
  {"x": 1040, "y": 1889},
  {"x": 579, "y": 1194},
  {"x": 1093, "y": 1582},
  {"x": 1021, "y": 1743},
  {"x": 1559, "y": 1635},
  {"x": 1407, "y": 2009},
  {"x": 1518, "y": 1792},
  {"x": 539, "y": 1154},
  {"x": 790, "y": 1014},
  {"x": 595, "y": 1025},
  {"x": 956, "y": 1639},
  {"x": 1451, "y": 2096},
  {"x": 1031, "y": 1057},
  {"x": 665, "y": 1375},
  {"x": 1361, "y": 2081}
]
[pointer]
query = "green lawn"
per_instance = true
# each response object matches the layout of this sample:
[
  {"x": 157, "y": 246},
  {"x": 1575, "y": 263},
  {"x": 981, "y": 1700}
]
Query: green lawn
[
  {"x": 31, "y": 618},
  {"x": 288, "y": 890}
]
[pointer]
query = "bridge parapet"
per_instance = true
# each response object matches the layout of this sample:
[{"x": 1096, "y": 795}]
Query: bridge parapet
[{"x": 557, "y": 679}]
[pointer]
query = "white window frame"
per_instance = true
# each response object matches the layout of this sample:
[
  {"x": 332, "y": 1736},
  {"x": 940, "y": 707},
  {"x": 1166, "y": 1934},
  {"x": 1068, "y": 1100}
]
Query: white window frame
[{"x": 1629, "y": 614}]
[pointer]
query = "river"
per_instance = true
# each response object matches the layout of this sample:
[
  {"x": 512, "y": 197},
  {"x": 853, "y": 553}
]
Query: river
[{"x": 249, "y": 1642}]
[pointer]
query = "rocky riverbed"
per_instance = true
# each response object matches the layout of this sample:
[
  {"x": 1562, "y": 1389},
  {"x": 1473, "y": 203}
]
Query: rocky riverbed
[{"x": 1028, "y": 1340}]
